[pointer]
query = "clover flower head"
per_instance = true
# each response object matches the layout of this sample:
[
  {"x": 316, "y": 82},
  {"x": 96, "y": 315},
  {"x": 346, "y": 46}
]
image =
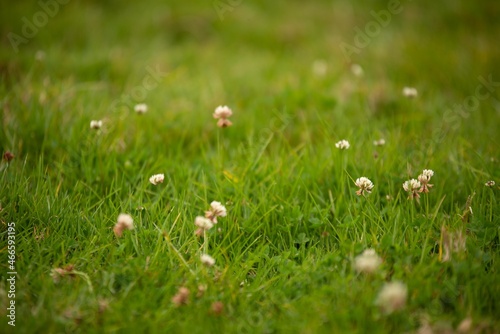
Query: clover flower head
[
  {"x": 216, "y": 210},
  {"x": 364, "y": 184},
  {"x": 343, "y": 144},
  {"x": 490, "y": 184},
  {"x": 357, "y": 70},
  {"x": 157, "y": 178},
  {"x": 203, "y": 223},
  {"x": 410, "y": 92},
  {"x": 222, "y": 112},
  {"x": 141, "y": 108},
  {"x": 124, "y": 222},
  {"x": 367, "y": 262},
  {"x": 392, "y": 297},
  {"x": 380, "y": 142},
  {"x": 181, "y": 297},
  {"x": 96, "y": 125},
  {"x": 424, "y": 179},
  {"x": 207, "y": 260},
  {"x": 412, "y": 187}
]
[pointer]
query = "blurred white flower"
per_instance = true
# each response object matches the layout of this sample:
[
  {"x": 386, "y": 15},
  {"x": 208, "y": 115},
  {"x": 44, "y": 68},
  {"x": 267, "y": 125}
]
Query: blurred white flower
[
  {"x": 343, "y": 144},
  {"x": 357, "y": 70},
  {"x": 222, "y": 113},
  {"x": 141, "y": 108},
  {"x": 203, "y": 223},
  {"x": 364, "y": 184},
  {"x": 157, "y": 178},
  {"x": 124, "y": 222},
  {"x": 424, "y": 179},
  {"x": 412, "y": 187},
  {"x": 490, "y": 184},
  {"x": 216, "y": 210},
  {"x": 367, "y": 262},
  {"x": 380, "y": 142},
  {"x": 207, "y": 260},
  {"x": 96, "y": 125},
  {"x": 392, "y": 297},
  {"x": 410, "y": 92},
  {"x": 320, "y": 67}
]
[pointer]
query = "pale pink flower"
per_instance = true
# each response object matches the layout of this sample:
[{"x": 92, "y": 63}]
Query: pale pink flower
[
  {"x": 412, "y": 187},
  {"x": 364, "y": 185},
  {"x": 216, "y": 210}
]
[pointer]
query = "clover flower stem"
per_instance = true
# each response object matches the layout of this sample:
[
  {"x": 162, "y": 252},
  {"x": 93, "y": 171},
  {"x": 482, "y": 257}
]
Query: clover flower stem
[
  {"x": 220, "y": 151},
  {"x": 205, "y": 242}
]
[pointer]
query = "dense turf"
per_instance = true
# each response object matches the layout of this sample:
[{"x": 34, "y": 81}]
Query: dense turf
[{"x": 285, "y": 251}]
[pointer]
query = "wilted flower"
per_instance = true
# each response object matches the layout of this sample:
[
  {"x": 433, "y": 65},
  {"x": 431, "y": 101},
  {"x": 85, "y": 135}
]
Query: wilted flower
[
  {"x": 490, "y": 183},
  {"x": 380, "y": 142},
  {"x": 343, "y": 144},
  {"x": 217, "y": 307},
  {"x": 157, "y": 178},
  {"x": 424, "y": 179},
  {"x": 8, "y": 156},
  {"x": 58, "y": 273},
  {"x": 216, "y": 210},
  {"x": 182, "y": 297},
  {"x": 222, "y": 113},
  {"x": 141, "y": 108},
  {"x": 410, "y": 92},
  {"x": 392, "y": 297},
  {"x": 96, "y": 125},
  {"x": 364, "y": 185},
  {"x": 367, "y": 262},
  {"x": 124, "y": 222},
  {"x": 207, "y": 260},
  {"x": 412, "y": 187},
  {"x": 357, "y": 70},
  {"x": 203, "y": 223}
]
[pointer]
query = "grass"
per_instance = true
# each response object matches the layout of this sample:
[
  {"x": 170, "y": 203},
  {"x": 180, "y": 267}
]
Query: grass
[{"x": 284, "y": 253}]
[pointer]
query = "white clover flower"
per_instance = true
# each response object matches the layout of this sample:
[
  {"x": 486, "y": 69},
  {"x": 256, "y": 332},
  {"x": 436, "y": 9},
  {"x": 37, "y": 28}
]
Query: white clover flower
[
  {"x": 222, "y": 112},
  {"x": 207, "y": 260},
  {"x": 412, "y": 187},
  {"x": 157, "y": 178},
  {"x": 490, "y": 184},
  {"x": 216, "y": 210},
  {"x": 203, "y": 223},
  {"x": 343, "y": 144},
  {"x": 392, "y": 297},
  {"x": 410, "y": 92},
  {"x": 96, "y": 125},
  {"x": 380, "y": 142},
  {"x": 357, "y": 70},
  {"x": 367, "y": 262},
  {"x": 364, "y": 184},
  {"x": 124, "y": 222},
  {"x": 424, "y": 179},
  {"x": 141, "y": 108}
]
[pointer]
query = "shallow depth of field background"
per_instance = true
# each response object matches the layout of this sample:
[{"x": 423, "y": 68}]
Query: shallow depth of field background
[{"x": 284, "y": 254}]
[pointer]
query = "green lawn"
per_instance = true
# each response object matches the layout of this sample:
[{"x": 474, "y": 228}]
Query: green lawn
[{"x": 286, "y": 253}]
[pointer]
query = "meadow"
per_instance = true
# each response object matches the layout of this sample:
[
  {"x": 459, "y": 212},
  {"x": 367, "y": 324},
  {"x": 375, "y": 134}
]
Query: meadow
[{"x": 113, "y": 157}]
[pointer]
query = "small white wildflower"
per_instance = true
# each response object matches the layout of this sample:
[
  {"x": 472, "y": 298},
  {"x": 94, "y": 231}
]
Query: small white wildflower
[
  {"x": 203, "y": 223},
  {"x": 392, "y": 297},
  {"x": 410, "y": 92},
  {"x": 207, "y": 260},
  {"x": 222, "y": 112},
  {"x": 343, "y": 144},
  {"x": 357, "y": 70},
  {"x": 364, "y": 184},
  {"x": 141, "y": 108},
  {"x": 157, "y": 178},
  {"x": 216, "y": 210},
  {"x": 124, "y": 222},
  {"x": 490, "y": 184},
  {"x": 412, "y": 187},
  {"x": 424, "y": 179},
  {"x": 96, "y": 125},
  {"x": 380, "y": 142},
  {"x": 320, "y": 68},
  {"x": 367, "y": 262}
]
